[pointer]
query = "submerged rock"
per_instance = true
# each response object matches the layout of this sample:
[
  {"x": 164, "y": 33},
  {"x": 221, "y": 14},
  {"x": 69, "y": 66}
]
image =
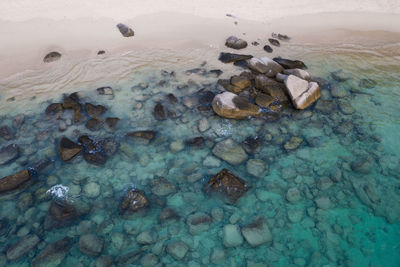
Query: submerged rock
[
  {"x": 91, "y": 244},
  {"x": 144, "y": 135},
  {"x": 339, "y": 76},
  {"x": 14, "y": 181},
  {"x": 228, "y": 184},
  {"x": 229, "y": 57},
  {"x": 257, "y": 233},
  {"x": 168, "y": 214},
  {"x": 293, "y": 143},
  {"x": 301, "y": 92},
  {"x": 159, "y": 112},
  {"x": 256, "y": 167},
  {"x": 54, "y": 109},
  {"x": 68, "y": 149},
  {"x": 367, "y": 83},
  {"x": 197, "y": 141},
  {"x": 22, "y": 247},
  {"x": 177, "y": 249},
  {"x": 162, "y": 187},
  {"x": 252, "y": 144},
  {"x": 6, "y": 133},
  {"x": 235, "y": 43},
  {"x": 133, "y": 201},
  {"x": 8, "y": 153},
  {"x": 125, "y": 30},
  {"x": 112, "y": 122},
  {"x": 60, "y": 215},
  {"x": 232, "y": 236},
  {"x": 93, "y": 124},
  {"x": 229, "y": 105},
  {"x": 54, "y": 253},
  {"x": 230, "y": 151},
  {"x": 94, "y": 111},
  {"x": 52, "y": 56},
  {"x": 274, "y": 42},
  {"x": 290, "y": 64}
]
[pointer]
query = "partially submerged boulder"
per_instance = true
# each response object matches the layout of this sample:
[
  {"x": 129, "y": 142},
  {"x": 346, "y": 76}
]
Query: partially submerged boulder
[
  {"x": 68, "y": 149},
  {"x": 290, "y": 64},
  {"x": 133, "y": 201},
  {"x": 94, "y": 111},
  {"x": 14, "y": 181},
  {"x": 229, "y": 57},
  {"x": 301, "y": 92},
  {"x": 231, "y": 106},
  {"x": 125, "y": 30},
  {"x": 235, "y": 43}
]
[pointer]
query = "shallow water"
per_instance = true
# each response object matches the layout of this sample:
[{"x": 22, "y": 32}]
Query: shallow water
[{"x": 347, "y": 162}]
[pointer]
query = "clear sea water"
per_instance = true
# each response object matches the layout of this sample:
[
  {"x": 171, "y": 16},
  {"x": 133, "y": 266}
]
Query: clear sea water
[{"x": 350, "y": 160}]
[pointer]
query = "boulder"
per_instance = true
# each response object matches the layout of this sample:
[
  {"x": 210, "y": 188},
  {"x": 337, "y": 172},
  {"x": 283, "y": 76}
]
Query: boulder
[
  {"x": 301, "y": 92},
  {"x": 147, "y": 237},
  {"x": 235, "y": 43},
  {"x": 228, "y": 184},
  {"x": 94, "y": 111},
  {"x": 240, "y": 82},
  {"x": 293, "y": 195},
  {"x": 265, "y": 66},
  {"x": 162, "y": 187},
  {"x": 54, "y": 253},
  {"x": 91, "y": 244},
  {"x": 264, "y": 100},
  {"x": 270, "y": 87},
  {"x": 52, "y": 56},
  {"x": 54, "y": 109},
  {"x": 268, "y": 49},
  {"x": 68, "y": 149},
  {"x": 125, "y": 30},
  {"x": 281, "y": 37},
  {"x": 293, "y": 143},
  {"x": 93, "y": 124},
  {"x": 142, "y": 135},
  {"x": 230, "y": 151},
  {"x": 60, "y": 215},
  {"x": 6, "y": 133},
  {"x": 232, "y": 236},
  {"x": 177, "y": 249},
  {"x": 229, "y": 105},
  {"x": 14, "y": 181},
  {"x": 256, "y": 167},
  {"x": 257, "y": 233},
  {"x": 290, "y": 64},
  {"x": 112, "y": 122},
  {"x": 198, "y": 222},
  {"x": 107, "y": 90},
  {"x": 302, "y": 74},
  {"x": 197, "y": 141},
  {"x": 8, "y": 153},
  {"x": 168, "y": 214},
  {"x": 274, "y": 42},
  {"x": 229, "y": 57},
  {"x": 159, "y": 112},
  {"x": 133, "y": 201},
  {"x": 22, "y": 247}
]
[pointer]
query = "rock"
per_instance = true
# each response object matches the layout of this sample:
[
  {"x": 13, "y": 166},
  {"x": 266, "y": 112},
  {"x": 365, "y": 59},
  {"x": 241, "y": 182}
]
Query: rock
[
  {"x": 339, "y": 91},
  {"x": 325, "y": 106},
  {"x": 216, "y": 73},
  {"x": 206, "y": 97},
  {"x": 198, "y": 222},
  {"x": 229, "y": 57},
  {"x": 257, "y": 233},
  {"x": 235, "y": 43},
  {"x": 168, "y": 214},
  {"x": 274, "y": 42},
  {"x": 14, "y": 181},
  {"x": 290, "y": 64},
  {"x": 91, "y": 244},
  {"x": 264, "y": 100},
  {"x": 162, "y": 187},
  {"x": 280, "y": 77},
  {"x": 218, "y": 256},
  {"x": 125, "y": 30},
  {"x": 197, "y": 141},
  {"x": 230, "y": 151},
  {"x": 323, "y": 202},
  {"x": 94, "y": 111},
  {"x": 344, "y": 128},
  {"x": 52, "y": 56},
  {"x": 293, "y": 143},
  {"x": 6, "y": 133},
  {"x": 159, "y": 112},
  {"x": 228, "y": 184},
  {"x": 270, "y": 87},
  {"x": 255, "y": 43},
  {"x": 229, "y": 105},
  {"x": 268, "y": 48},
  {"x": 240, "y": 82},
  {"x": 22, "y": 247},
  {"x": 295, "y": 215},
  {"x": 190, "y": 101},
  {"x": 172, "y": 98},
  {"x": 251, "y": 144},
  {"x": 211, "y": 162},
  {"x": 302, "y": 93},
  {"x": 104, "y": 261},
  {"x": 54, "y": 253},
  {"x": 281, "y": 37},
  {"x": 203, "y": 125},
  {"x": 93, "y": 124},
  {"x": 177, "y": 249},
  {"x": 60, "y": 215},
  {"x": 107, "y": 90},
  {"x": 302, "y": 74},
  {"x": 241, "y": 63},
  {"x": 144, "y": 135},
  {"x": 324, "y": 183},
  {"x": 346, "y": 108},
  {"x": 149, "y": 260},
  {"x": 54, "y": 109},
  {"x": 177, "y": 146},
  {"x": 112, "y": 122},
  {"x": 293, "y": 195},
  {"x": 361, "y": 165},
  {"x": 339, "y": 76},
  {"x": 146, "y": 237},
  {"x": 101, "y": 52},
  {"x": 232, "y": 236},
  {"x": 62, "y": 126},
  {"x": 256, "y": 167},
  {"x": 266, "y": 66},
  {"x": 68, "y": 149},
  {"x": 133, "y": 201},
  {"x": 8, "y": 153},
  {"x": 18, "y": 121},
  {"x": 91, "y": 190},
  {"x": 367, "y": 83}
]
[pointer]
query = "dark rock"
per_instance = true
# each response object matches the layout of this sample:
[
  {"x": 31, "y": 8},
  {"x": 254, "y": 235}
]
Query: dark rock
[
  {"x": 271, "y": 87},
  {"x": 18, "y": 120},
  {"x": 255, "y": 43},
  {"x": 240, "y": 82},
  {"x": 168, "y": 214},
  {"x": 14, "y": 181},
  {"x": 206, "y": 97},
  {"x": 241, "y": 63},
  {"x": 68, "y": 149},
  {"x": 162, "y": 187},
  {"x": 93, "y": 124},
  {"x": 94, "y": 151},
  {"x": 104, "y": 261},
  {"x": 112, "y": 122},
  {"x": 60, "y": 215},
  {"x": 85, "y": 140},
  {"x": 367, "y": 83},
  {"x": 94, "y": 111},
  {"x": 54, "y": 109},
  {"x": 290, "y": 64},
  {"x": 172, "y": 98},
  {"x": 195, "y": 141},
  {"x": 216, "y": 73},
  {"x": 6, "y": 133},
  {"x": 229, "y": 105},
  {"x": 159, "y": 112},
  {"x": 264, "y": 100},
  {"x": 8, "y": 153},
  {"x": 228, "y": 184},
  {"x": 274, "y": 42},
  {"x": 251, "y": 144},
  {"x": 199, "y": 71},
  {"x": 133, "y": 201},
  {"x": 52, "y": 56},
  {"x": 22, "y": 247},
  {"x": 101, "y": 52},
  {"x": 107, "y": 90},
  {"x": 281, "y": 37},
  {"x": 235, "y": 43},
  {"x": 54, "y": 253},
  {"x": 95, "y": 157},
  {"x": 72, "y": 102},
  {"x": 229, "y": 57},
  {"x": 125, "y": 30},
  {"x": 362, "y": 165},
  {"x": 268, "y": 48},
  {"x": 91, "y": 244},
  {"x": 147, "y": 135}
]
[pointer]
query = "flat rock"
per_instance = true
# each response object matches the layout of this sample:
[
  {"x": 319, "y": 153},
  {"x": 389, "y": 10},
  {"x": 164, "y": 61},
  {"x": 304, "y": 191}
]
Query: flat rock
[
  {"x": 68, "y": 149},
  {"x": 91, "y": 244},
  {"x": 230, "y": 151},
  {"x": 22, "y": 247},
  {"x": 54, "y": 253},
  {"x": 8, "y": 153},
  {"x": 257, "y": 233},
  {"x": 228, "y": 184},
  {"x": 301, "y": 92},
  {"x": 266, "y": 66},
  {"x": 264, "y": 100},
  {"x": 52, "y": 56},
  {"x": 133, "y": 201},
  {"x": 290, "y": 64},
  {"x": 125, "y": 30},
  {"x": 177, "y": 249},
  {"x": 235, "y": 43},
  {"x": 162, "y": 187},
  {"x": 229, "y": 105},
  {"x": 229, "y": 57},
  {"x": 232, "y": 236}
]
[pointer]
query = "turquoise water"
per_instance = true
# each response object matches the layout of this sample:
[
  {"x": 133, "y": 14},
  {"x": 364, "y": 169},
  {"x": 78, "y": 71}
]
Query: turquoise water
[{"x": 346, "y": 169}]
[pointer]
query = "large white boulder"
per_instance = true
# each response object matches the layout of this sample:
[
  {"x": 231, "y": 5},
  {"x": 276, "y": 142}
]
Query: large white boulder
[
  {"x": 301, "y": 92},
  {"x": 232, "y": 106}
]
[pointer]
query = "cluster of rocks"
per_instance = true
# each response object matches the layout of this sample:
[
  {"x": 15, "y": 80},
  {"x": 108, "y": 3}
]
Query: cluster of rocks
[{"x": 237, "y": 43}]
